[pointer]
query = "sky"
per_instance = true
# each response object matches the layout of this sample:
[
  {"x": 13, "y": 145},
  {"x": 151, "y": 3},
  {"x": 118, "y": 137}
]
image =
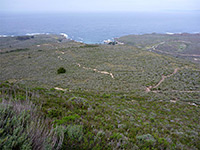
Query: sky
[{"x": 97, "y": 5}]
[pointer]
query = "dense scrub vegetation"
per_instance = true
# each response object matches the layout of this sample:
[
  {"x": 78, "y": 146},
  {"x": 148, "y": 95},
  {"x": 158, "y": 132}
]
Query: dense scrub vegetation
[
  {"x": 23, "y": 127},
  {"x": 102, "y": 121},
  {"x": 107, "y": 99},
  {"x": 179, "y": 45},
  {"x": 89, "y": 68}
]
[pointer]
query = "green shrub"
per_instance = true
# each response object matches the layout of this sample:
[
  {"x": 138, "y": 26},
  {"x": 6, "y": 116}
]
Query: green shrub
[
  {"x": 12, "y": 135},
  {"x": 54, "y": 113},
  {"x": 89, "y": 46},
  {"x": 116, "y": 136},
  {"x": 73, "y": 137},
  {"x": 146, "y": 140},
  {"x": 22, "y": 127},
  {"x": 67, "y": 119},
  {"x": 61, "y": 70},
  {"x": 162, "y": 143},
  {"x": 106, "y": 95},
  {"x": 78, "y": 102},
  {"x": 74, "y": 132}
]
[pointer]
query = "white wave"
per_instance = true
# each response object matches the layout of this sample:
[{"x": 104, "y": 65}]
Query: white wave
[
  {"x": 31, "y": 34},
  {"x": 169, "y": 33},
  {"x": 107, "y": 41},
  {"x": 7, "y": 35},
  {"x": 65, "y": 35},
  {"x": 3, "y": 35}
]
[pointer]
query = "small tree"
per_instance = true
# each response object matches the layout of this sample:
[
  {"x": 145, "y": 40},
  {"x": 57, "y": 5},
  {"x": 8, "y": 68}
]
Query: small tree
[{"x": 61, "y": 70}]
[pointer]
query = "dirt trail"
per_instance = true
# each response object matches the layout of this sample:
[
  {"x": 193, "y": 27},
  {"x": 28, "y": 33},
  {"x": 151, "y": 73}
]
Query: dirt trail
[
  {"x": 189, "y": 55},
  {"x": 189, "y": 103},
  {"x": 60, "y": 52},
  {"x": 102, "y": 72},
  {"x": 60, "y": 58},
  {"x": 148, "y": 89},
  {"x": 157, "y": 91},
  {"x": 164, "y": 77},
  {"x": 154, "y": 48},
  {"x": 60, "y": 89},
  {"x": 186, "y": 91}
]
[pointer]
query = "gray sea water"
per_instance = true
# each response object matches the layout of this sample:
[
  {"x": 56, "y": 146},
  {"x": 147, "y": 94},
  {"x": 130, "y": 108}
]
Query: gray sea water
[{"x": 96, "y": 27}]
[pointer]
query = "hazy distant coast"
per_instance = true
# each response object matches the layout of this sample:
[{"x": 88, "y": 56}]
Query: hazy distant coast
[
  {"x": 183, "y": 45},
  {"x": 65, "y": 35}
]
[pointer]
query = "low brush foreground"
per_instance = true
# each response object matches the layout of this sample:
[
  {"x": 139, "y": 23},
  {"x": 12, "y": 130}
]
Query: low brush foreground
[{"x": 144, "y": 94}]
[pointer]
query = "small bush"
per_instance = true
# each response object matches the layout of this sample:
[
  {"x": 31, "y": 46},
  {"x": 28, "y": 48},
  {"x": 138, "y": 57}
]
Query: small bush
[
  {"x": 116, "y": 136},
  {"x": 61, "y": 70},
  {"x": 73, "y": 137},
  {"x": 89, "y": 46},
  {"x": 22, "y": 127},
  {"x": 146, "y": 137},
  {"x": 54, "y": 113},
  {"x": 67, "y": 119},
  {"x": 74, "y": 132},
  {"x": 77, "y": 102},
  {"x": 146, "y": 140}
]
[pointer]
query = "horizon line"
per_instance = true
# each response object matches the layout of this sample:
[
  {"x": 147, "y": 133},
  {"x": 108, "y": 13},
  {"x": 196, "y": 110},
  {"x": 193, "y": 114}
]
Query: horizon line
[{"x": 99, "y": 11}]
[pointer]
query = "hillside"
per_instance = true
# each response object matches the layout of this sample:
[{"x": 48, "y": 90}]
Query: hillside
[
  {"x": 123, "y": 96},
  {"x": 184, "y": 45}
]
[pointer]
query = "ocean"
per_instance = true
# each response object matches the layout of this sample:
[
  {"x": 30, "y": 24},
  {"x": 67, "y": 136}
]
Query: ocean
[{"x": 96, "y": 27}]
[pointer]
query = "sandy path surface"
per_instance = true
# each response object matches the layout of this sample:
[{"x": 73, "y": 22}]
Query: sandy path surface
[
  {"x": 148, "y": 89},
  {"x": 157, "y": 91},
  {"x": 60, "y": 89},
  {"x": 86, "y": 68},
  {"x": 102, "y": 72},
  {"x": 154, "y": 48},
  {"x": 164, "y": 77},
  {"x": 189, "y": 103},
  {"x": 60, "y": 58}
]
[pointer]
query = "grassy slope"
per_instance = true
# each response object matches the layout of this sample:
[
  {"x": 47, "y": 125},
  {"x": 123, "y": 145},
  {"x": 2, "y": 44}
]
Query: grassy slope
[
  {"x": 117, "y": 121},
  {"x": 133, "y": 69},
  {"x": 118, "y": 110},
  {"x": 179, "y": 45}
]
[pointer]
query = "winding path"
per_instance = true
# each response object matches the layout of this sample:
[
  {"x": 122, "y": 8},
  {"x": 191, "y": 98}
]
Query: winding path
[
  {"x": 154, "y": 48},
  {"x": 148, "y": 89},
  {"x": 79, "y": 65},
  {"x": 102, "y": 72}
]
